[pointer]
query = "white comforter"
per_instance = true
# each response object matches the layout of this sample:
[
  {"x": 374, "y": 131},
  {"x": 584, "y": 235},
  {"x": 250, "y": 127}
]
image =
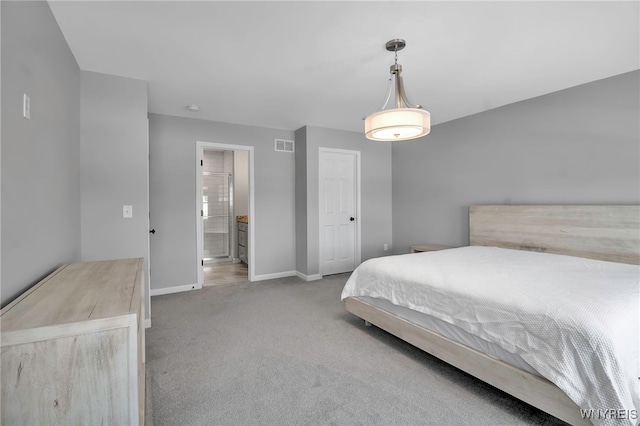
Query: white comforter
[{"x": 574, "y": 320}]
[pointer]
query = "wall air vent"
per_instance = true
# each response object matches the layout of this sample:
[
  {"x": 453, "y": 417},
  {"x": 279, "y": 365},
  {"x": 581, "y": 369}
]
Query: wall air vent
[{"x": 284, "y": 145}]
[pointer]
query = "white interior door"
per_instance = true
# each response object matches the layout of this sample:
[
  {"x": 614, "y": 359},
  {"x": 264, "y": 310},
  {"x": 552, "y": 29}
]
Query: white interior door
[{"x": 339, "y": 210}]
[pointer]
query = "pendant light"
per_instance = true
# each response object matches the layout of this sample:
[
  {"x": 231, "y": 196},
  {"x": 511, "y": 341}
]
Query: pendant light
[{"x": 405, "y": 121}]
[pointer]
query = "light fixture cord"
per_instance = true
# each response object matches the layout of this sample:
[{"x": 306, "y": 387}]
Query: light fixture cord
[
  {"x": 399, "y": 94},
  {"x": 383, "y": 105}
]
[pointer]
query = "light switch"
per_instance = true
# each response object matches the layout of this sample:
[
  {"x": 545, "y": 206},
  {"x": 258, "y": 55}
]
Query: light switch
[
  {"x": 127, "y": 211},
  {"x": 26, "y": 107}
]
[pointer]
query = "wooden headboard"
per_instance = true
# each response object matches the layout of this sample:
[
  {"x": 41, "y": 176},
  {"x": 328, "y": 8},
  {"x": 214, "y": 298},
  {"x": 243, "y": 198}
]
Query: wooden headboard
[{"x": 598, "y": 232}]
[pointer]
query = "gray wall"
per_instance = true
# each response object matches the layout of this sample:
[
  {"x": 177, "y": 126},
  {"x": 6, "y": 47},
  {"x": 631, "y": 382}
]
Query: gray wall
[
  {"x": 40, "y": 157},
  {"x": 172, "y": 174},
  {"x": 114, "y": 160},
  {"x": 302, "y": 248},
  {"x": 575, "y": 146},
  {"x": 375, "y": 186}
]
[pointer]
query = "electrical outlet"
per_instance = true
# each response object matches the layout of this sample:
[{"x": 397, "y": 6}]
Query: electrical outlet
[
  {"x": 26, "y": 107},
  {"x": 385, "y": 246},
  {"x": 127, "y": 211}
]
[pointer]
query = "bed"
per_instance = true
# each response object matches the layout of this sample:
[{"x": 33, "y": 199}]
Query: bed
[{"x": 569, "y": 348}]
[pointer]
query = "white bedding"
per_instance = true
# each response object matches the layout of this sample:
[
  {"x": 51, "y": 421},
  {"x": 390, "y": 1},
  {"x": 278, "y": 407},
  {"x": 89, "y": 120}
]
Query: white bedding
[
  {"x": 450, "y": 331},
  {"x": 574, "y": 320}
]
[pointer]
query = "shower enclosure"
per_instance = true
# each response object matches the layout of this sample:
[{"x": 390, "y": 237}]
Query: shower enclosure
[{"x": 217, "y": 205}]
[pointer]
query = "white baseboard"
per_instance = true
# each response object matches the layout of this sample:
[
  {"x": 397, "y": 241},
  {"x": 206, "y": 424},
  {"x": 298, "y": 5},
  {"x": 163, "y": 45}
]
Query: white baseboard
[
  {"x": 274, "y": 275},
  {"x": 169, "y": 290},
  {"x": 147, "y": 323},
  {"x": 308, "y": 277},
  {"x": 262, "y": 277},
  {"x": 287, "y": 274}
]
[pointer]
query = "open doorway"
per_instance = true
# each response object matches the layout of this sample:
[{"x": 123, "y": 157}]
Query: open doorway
[{"x": 224, "y": 185}]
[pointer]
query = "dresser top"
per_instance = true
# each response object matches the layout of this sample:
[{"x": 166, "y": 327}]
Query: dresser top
[{"x": 77, "y": 292}]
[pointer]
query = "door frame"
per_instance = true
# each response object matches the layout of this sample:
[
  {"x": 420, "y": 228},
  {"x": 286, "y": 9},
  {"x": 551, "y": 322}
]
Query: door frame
[
  {"x": 200, "y": 147},
  {"x": 357, "y": 242},
  {"x": 147, "y": 291}
]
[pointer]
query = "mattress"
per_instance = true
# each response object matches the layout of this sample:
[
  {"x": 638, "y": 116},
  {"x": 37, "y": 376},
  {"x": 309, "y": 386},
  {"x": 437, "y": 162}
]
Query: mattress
[
  {"x": 451, "y": 332},
  {"x": 574, "y": 321}
]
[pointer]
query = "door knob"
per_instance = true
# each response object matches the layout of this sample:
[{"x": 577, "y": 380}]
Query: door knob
[
  {"x": 352, "y": 219},
  {"x": 153, "y": 231}
]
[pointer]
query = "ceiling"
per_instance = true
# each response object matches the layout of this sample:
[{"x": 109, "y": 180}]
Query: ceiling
[{"x": 294, "y": 63}]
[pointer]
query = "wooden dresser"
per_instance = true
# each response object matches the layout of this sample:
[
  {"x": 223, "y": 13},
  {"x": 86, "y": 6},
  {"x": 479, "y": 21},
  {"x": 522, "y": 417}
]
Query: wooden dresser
[{"x": 73, "y": 347}]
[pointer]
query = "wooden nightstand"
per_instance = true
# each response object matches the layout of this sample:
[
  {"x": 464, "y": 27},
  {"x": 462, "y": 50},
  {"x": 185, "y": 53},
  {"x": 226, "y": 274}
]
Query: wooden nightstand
[{"x": 428, "y": 247}]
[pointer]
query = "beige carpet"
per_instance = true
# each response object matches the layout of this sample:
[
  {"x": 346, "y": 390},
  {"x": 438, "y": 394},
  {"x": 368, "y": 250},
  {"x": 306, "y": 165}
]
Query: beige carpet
[{"x": 285, "y": 351}]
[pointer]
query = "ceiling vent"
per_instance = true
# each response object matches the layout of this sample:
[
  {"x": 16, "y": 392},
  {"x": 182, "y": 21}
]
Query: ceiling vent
[{"x": 284, "y": 145}]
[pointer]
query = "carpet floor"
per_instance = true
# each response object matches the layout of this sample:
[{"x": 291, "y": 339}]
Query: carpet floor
[{"x": 285, "y": 352}]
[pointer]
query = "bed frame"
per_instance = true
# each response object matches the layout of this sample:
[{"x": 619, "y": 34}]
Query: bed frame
[{"x": 609, "y": 233}]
